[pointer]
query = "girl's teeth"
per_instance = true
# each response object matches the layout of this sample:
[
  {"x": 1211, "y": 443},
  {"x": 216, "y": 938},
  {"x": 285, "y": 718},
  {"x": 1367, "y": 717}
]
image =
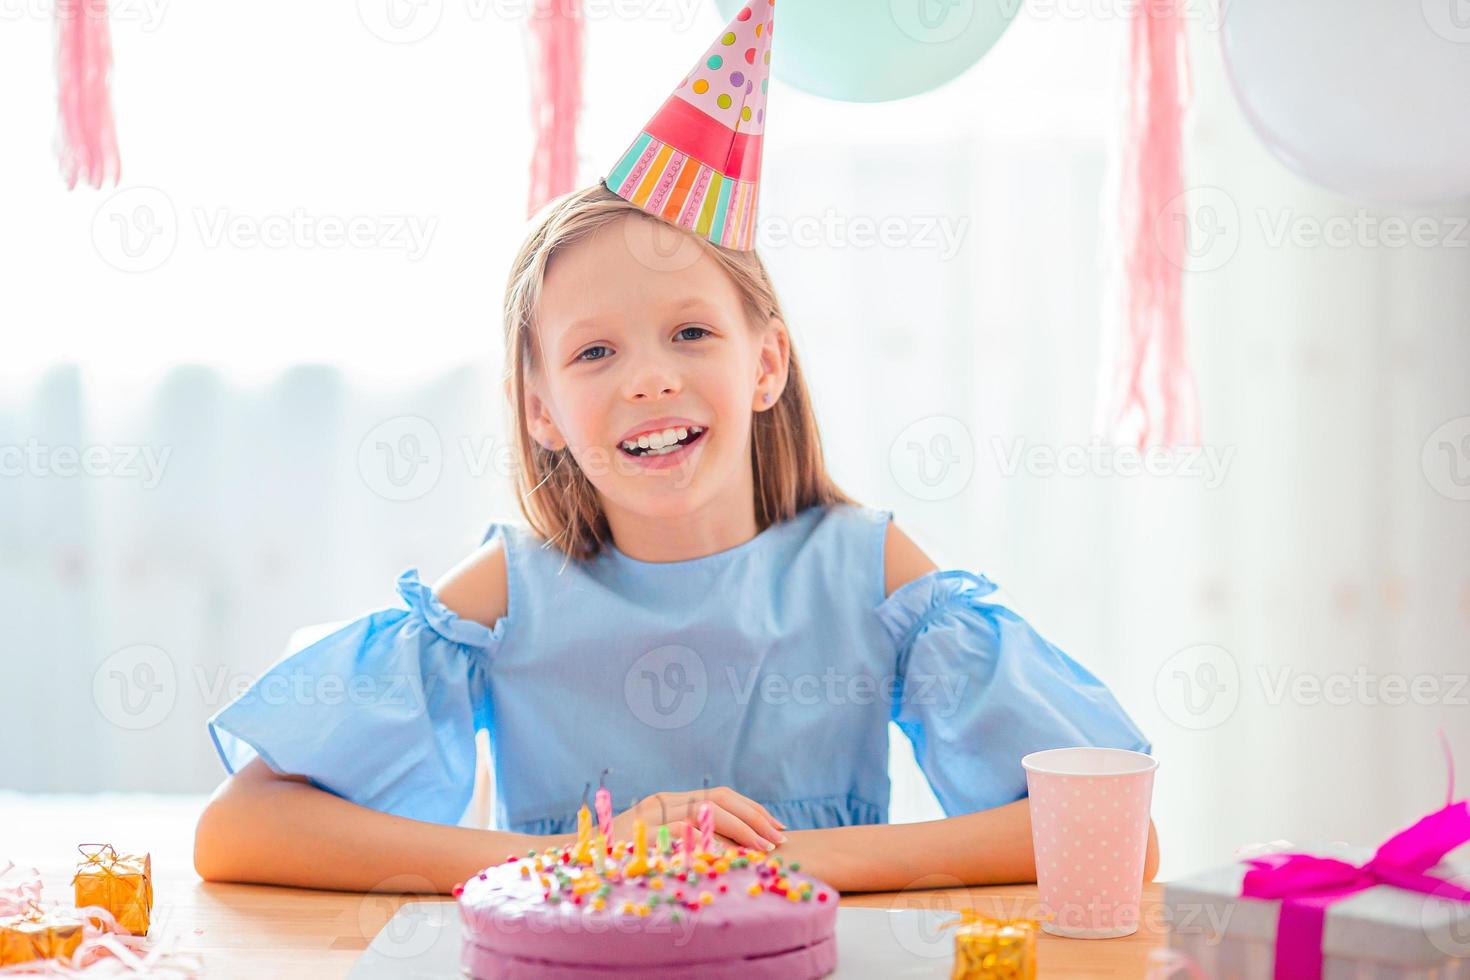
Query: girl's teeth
[{"x": 660, "y": 443}]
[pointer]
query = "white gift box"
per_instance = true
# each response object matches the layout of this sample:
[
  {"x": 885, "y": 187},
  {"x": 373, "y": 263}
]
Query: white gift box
[{"x": 1380, "y": 933}]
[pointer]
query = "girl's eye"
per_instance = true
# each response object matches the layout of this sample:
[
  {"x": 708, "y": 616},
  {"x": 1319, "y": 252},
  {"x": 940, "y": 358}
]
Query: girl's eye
[
  {"x": 593, "y": 351},
  {"x": 699, "y": 332}
]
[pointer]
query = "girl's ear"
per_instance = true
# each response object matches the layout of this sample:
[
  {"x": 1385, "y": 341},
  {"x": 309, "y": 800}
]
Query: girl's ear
[
  {"x": 539, "y": 421},
  {"x": 773, "y": 365}
]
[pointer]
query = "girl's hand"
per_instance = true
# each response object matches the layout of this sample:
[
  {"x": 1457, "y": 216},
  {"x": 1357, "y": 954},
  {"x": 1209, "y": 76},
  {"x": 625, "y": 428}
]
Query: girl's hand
[{"x": 737, "y": 819}]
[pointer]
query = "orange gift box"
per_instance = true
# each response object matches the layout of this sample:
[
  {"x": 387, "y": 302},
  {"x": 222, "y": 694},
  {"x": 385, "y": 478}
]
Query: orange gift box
[
  {"x": 993, "y": 949},
  {"x": 38, "y": 935},
  {"x": 120, "y": 883}
]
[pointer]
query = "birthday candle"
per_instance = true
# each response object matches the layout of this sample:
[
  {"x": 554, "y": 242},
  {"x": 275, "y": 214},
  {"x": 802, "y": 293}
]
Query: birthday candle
[
  {"x": 599, "y": 846},
  {"x": 603, "y": 801},
  {"x": 584, "y": 834},
  {"x": 639, "y": 864},
  {"x": 706, "y": 827},
  {"x": 688, "y": 842},
  {"x": 664, "y": 845}
]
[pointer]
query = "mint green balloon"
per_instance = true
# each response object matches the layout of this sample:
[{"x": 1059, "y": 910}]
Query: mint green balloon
[{"x": 878, "y": 50}]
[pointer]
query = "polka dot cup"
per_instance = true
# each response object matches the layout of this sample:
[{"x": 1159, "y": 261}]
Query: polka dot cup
[{"x": 1089, "y": 826}]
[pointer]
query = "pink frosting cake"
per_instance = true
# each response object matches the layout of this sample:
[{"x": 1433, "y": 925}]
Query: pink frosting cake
[{"x": 735, "y": 913}]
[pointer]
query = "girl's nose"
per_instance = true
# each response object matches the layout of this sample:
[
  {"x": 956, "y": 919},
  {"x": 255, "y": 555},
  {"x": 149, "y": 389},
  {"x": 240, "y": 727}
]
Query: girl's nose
[{"x": 652, "y": 382}]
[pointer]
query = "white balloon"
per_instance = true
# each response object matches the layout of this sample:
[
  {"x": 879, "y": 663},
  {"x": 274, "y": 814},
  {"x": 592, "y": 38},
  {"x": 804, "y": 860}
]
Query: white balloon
[{"x": 1367, "y": 97}]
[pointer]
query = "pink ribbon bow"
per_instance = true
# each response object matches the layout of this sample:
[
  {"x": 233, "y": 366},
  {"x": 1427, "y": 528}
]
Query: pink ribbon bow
[{"x": 1307, "y": 885}]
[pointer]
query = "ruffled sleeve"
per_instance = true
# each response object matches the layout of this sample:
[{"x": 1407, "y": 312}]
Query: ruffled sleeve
[
  {"x": 979, "y": 689},
  {"x": 382, "y": 712}
]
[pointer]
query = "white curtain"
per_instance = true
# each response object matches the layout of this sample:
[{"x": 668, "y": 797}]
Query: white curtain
[{"x": 283, "y": 386}]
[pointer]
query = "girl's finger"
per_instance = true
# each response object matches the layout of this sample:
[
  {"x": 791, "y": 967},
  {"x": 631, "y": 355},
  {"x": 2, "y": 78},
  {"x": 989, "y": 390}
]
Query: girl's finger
[
  {"x": 750, "y": 811},
  {"x": 738, "y": 830}
]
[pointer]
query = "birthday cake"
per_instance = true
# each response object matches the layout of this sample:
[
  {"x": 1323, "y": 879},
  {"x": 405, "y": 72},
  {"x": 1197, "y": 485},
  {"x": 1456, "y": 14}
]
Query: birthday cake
[{"x": 706, "y": 913}]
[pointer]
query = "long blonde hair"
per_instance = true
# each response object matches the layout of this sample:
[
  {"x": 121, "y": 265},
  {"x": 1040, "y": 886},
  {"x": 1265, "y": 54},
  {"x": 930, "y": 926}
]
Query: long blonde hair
[{"x": 557, "y": 498}]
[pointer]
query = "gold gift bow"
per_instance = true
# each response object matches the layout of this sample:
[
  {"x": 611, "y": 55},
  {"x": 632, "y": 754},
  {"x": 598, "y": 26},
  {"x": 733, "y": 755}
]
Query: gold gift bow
[{"x": 106, "y": 868}]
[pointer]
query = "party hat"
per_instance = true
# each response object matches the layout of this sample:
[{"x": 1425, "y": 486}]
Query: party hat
[{"x": 697, "y": 162}]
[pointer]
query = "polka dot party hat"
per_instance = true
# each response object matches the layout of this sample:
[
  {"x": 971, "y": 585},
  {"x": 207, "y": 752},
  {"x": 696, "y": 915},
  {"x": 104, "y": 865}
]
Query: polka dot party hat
[{"x": 697, "y": 163}]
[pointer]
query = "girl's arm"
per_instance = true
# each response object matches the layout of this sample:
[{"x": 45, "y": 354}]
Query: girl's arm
[
  {"x": 266, "y": 828},
  {"x": 272, "y": 829},
  {"x": 991, "y": 847}
]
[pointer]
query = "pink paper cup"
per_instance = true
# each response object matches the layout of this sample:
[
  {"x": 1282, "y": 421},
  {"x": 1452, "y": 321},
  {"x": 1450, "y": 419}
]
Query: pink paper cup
[{"x": 1089, "y": 827}]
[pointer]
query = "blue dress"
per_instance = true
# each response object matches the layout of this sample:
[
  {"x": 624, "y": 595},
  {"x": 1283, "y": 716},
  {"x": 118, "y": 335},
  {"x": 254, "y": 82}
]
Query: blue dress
[{"x": 773, "y": 667}]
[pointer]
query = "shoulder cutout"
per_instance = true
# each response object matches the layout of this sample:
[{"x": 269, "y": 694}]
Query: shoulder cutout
[
  {"x": 903, "y": 561},
  {"x": 475, "y": 589}
]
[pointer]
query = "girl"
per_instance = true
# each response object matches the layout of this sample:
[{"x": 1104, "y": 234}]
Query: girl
[{"x": 693, "y": 598}]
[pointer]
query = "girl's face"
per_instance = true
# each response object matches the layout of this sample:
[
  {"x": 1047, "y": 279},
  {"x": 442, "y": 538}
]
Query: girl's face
[{"x": 647, "y": 369}]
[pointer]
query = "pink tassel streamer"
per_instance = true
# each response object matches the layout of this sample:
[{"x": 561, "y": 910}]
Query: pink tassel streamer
[
  {"x": 87, "y": 143},
  {"x": 556, "y": 98},
  {"x": 1148, "y": 392}
]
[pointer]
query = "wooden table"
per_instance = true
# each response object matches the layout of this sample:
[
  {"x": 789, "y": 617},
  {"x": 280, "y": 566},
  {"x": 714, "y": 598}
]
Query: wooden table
[{"x": 257, "y": 931}]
